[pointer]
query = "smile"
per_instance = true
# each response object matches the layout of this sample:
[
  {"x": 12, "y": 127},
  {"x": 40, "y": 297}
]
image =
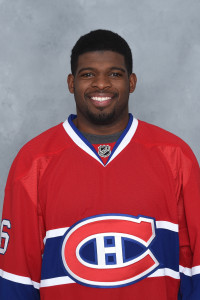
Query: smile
[{"x": 101, "y": 99}]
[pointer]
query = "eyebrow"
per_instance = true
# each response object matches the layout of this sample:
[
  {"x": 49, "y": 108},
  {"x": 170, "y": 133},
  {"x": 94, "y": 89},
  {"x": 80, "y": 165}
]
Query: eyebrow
[
  {"x": 119, "y": 69},
  {"x": 86, "y": 69},
  {"x": 93, "y": 69}
]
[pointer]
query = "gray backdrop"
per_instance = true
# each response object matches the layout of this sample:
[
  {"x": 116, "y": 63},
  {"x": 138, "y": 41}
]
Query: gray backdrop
[{"x": 36, "y": 38}]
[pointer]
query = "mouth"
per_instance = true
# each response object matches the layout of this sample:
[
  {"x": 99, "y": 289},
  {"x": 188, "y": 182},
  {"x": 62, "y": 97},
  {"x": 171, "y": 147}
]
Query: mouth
[{"x": 101, "y": 99}]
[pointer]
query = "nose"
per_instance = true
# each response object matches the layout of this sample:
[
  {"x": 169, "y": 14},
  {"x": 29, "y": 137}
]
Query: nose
[{"x": 101, "y": 82}]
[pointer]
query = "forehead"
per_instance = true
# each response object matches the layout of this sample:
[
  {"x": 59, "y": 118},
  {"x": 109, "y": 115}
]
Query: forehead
[{"x": 101, "y": 60}]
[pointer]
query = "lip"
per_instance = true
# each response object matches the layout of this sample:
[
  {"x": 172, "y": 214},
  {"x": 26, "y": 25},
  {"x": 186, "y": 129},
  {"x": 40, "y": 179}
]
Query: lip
[{"x": 101, "y": 99}]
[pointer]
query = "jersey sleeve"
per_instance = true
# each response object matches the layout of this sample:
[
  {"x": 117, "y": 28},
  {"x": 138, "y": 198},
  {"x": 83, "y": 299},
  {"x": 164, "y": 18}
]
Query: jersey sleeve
[
  {"x": 21, "y": 243},
  {"x": 189, "y": 229}
]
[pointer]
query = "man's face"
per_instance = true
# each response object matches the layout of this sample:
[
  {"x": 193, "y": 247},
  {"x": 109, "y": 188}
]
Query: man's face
[{"x": 101, "y": 88}]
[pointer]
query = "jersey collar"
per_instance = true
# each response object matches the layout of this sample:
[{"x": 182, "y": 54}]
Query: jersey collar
[{"x": 85, "y": 145}]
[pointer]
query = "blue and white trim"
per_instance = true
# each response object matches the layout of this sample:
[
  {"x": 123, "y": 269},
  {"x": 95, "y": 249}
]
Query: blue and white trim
[
  {"x": 19, "y": 279},
  {"x": 189, "y": 272},
  {"x": 166, "y": 231},
  {"x": 83, "y": 143}
]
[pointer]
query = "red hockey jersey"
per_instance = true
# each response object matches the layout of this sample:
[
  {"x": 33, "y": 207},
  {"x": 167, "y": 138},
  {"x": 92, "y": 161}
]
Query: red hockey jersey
[{"x": 75, "y": 227}]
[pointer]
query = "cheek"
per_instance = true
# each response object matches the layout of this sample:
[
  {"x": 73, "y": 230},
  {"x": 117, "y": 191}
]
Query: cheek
[
  {"x": 79, "y": 94},
  {"x": 80, "y": 89},
  {"x": 124, "y": 90},
  {"x": 123, "y": 86}
]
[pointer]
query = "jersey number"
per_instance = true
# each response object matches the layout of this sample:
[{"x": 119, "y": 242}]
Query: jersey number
[{"x": 4, "y": 236}]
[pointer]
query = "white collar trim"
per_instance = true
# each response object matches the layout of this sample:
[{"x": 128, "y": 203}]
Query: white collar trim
[{"x": 82, "y": 144}]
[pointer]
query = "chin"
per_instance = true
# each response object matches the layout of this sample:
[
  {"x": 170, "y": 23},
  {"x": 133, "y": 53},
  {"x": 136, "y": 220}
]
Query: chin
[{"x": 102, "y": 118}]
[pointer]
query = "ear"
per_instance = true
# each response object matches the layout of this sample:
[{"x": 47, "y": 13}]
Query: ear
[
  {"x": 70, "y": 81},
  {"x": 132, "y": 82}
]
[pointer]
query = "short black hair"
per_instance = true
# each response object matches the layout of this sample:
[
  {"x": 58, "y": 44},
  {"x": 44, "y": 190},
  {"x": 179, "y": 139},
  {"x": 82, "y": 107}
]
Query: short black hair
[{"x": 101, "y": 40}]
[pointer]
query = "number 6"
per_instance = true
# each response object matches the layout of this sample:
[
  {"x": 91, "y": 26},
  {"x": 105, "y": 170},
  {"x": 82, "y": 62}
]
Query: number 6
[{"x": 4, "y": 235}]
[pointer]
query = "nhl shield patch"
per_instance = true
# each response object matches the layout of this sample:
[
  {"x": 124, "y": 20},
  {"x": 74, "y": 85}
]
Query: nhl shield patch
[
  {"x": 104, "y": 150},
  {"x": 109, "y": 250}
]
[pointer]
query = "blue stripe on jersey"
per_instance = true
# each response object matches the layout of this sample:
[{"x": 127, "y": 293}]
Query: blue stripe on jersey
[
  {"x": 164, "y": 247},
  {"x": 10, "y": 290},
  {"x": 189, "y": 287},
  {"x": 52, "y": 265}
]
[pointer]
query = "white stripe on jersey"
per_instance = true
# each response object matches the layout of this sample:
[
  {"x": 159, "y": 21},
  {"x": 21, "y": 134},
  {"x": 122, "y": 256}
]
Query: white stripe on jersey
[
  {"x": 166, "y": 272},
  {"x": 55, "y": 233},
  {"x": 56, "y": 281},
  {"x": 189, "y": 271},
  {"x": 19, "y": 279},
  {"x": 167, "y": 225},
  {"x": 67, "y": 280}
]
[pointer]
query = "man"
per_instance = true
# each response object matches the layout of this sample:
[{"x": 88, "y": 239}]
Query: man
[{"x": 102, "y": 206}]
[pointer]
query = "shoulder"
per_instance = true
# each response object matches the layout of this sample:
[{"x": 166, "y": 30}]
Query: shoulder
[
  {"x": 172, "y": 146},
  {"x": 155, "y": 135},
  {"x": 49, "y": 141},
  {"x": 38, "y": 152}
]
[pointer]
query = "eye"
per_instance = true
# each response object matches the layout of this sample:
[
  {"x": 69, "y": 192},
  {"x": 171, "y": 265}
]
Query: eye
[
  {"x": 116, "y": 74},
  {"x": 87, "y": 75}
]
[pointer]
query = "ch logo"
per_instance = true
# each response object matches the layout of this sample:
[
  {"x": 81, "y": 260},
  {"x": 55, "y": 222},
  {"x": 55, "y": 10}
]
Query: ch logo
[{"x": 109, "y": 250}]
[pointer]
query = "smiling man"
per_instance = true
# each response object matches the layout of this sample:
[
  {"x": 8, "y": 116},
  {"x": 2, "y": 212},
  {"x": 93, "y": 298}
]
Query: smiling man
[
  {"x": 103, "y": 205},
  {"x": 101, "y": 86}
]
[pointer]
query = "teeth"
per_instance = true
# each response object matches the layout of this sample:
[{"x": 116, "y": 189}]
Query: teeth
[{"x": 100, "y": 98}]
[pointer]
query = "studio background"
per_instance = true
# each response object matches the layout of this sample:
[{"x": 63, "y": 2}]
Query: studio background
[{"x": 36, "y": 38}]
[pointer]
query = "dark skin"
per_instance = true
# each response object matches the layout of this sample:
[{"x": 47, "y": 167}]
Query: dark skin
[{"x": 101, "y": 88}]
